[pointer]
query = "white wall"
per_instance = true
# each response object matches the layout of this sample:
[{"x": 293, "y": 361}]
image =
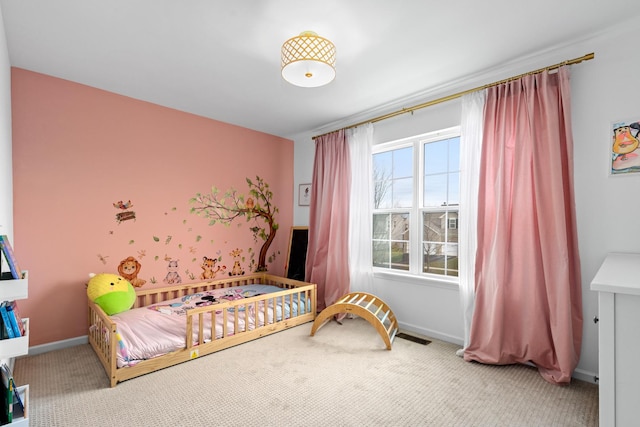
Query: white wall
[
  {"x": 303, "y": 154},
  {"x": 603, "y": 90},
  {"x": 608, "y": 208},
  {"x": 6, "y": 171}
]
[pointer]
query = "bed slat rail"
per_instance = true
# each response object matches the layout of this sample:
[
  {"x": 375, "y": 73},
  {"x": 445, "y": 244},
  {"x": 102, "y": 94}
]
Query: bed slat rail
[{"x": 241, "y": 310}]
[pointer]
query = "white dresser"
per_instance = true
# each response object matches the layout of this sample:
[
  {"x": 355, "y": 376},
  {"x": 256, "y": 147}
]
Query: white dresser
[{"x": 618, "y": 285}]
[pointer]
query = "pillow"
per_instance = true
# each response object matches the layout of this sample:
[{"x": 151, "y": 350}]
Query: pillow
[{"x": 114, "y": 294}]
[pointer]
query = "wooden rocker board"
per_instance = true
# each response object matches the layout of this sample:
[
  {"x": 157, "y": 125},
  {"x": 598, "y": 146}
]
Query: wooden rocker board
[{"x": 367, "y": 306}]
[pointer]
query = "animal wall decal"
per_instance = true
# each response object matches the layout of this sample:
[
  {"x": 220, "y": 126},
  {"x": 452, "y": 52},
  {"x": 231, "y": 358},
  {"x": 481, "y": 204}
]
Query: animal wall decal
[
  {"x": 173, "y": 275},
  {"x": 129, "y": 269},
  {"x": 210, "y": 269},
  {"x": 237, "y": 269}
]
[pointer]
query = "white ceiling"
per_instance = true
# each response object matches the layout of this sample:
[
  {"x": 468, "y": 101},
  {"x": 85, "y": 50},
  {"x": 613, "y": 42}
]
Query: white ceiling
[{"x": 221, "y": 58}]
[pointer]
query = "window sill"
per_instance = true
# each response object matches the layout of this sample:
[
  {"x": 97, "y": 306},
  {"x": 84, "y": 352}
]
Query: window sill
[{"x": 414, "y": 279}]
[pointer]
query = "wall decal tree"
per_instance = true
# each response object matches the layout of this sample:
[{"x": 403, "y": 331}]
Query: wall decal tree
[{"x": 225, "y": 208}]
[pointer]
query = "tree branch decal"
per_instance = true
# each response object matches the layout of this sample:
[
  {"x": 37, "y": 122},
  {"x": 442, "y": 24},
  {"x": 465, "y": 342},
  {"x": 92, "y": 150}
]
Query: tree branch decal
[{"x": 227, "y": 207}]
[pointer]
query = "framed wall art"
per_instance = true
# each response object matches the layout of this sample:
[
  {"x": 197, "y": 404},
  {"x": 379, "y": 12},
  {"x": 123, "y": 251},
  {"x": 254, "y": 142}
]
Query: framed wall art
[
  {"x": 304, "y": 195},
  {"x": 624, "y": 147}
]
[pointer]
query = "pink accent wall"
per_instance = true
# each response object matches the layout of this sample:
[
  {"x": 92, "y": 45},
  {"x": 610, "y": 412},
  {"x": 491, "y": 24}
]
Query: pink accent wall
[{"x": 78, "y": 150}]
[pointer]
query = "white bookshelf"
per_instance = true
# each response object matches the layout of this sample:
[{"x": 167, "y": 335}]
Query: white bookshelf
[{"x": 11, "y": 290}]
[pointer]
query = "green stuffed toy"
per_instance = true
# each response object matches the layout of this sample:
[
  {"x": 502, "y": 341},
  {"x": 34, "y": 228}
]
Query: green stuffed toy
[{"x": 114, "y": 294}]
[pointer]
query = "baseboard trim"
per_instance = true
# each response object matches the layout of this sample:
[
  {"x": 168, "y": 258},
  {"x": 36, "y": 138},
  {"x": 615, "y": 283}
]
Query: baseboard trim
[
  {"x": 430, "y": 333},
  {"x": 582, "y": 375},
  {"x": 58, "y": 345}
]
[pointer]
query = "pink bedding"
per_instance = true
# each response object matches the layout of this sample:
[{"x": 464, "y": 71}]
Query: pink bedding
[{"x": 147, "y": 332}]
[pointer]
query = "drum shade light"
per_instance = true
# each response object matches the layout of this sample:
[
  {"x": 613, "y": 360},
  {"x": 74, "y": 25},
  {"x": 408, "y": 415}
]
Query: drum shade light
[{"x": 308, "y": 60}]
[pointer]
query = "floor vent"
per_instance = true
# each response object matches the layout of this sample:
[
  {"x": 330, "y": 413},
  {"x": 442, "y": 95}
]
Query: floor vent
[{"x": 412, "y": 338}]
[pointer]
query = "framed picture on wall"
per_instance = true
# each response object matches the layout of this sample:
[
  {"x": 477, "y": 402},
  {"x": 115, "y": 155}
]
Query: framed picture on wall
[
  {"x": 625, "y": 147},
  {"x": 304, "y": 195}
]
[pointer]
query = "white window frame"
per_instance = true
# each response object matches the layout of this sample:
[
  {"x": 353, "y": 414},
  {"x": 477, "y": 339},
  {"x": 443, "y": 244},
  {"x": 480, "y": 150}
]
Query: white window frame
[{"x": 416, "y": 211}]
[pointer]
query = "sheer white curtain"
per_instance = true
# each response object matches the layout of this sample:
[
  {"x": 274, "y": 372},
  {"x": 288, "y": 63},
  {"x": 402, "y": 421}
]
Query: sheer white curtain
[
  {"x": 470, "y": 152},
  {"x": 360, "y": 141}
]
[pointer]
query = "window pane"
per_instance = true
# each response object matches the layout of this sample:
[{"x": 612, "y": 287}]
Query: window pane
[
  {"x": 382, "y": 171},
  {"x": 382, "y": 163},
  {"x": 391, "y": 241},
  {"x": 403, "y": 163},
  {"x": 381, "y": 254},
  {"x": 435, "y": 157},
  {"x": 440, "y": 259},
  {"x": 441, "y": 173},
  {"x": 439, "y": 243},
  {"x": 393, "y": 179},
  {"x": 381, "y": 226},
  {"x": 434, "y": 226},
  {"x": 435, "y": 190}
]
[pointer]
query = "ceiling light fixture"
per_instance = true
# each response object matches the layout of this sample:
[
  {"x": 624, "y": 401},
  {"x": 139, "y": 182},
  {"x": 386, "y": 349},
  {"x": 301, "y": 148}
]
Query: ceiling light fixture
[{"x": 308, "y": 60}]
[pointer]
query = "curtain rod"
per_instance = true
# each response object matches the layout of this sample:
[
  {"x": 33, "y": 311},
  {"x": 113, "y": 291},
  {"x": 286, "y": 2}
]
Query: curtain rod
[{"x": 460, "y": 94}]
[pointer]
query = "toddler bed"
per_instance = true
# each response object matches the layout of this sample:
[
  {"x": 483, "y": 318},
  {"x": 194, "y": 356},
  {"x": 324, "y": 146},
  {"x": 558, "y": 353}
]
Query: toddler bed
[{"x": 215, "y": 314}]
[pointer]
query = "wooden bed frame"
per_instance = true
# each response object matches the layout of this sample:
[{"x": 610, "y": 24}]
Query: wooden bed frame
[{"x": 106, "y": 349}]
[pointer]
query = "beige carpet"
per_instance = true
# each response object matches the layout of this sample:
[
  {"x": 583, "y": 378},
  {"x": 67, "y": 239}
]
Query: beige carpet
[{"x": 343, "y": 376}]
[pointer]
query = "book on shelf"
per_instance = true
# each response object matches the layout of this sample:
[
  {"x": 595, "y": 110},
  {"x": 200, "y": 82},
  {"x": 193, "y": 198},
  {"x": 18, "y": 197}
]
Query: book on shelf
[
  {"x": 4, "y": 330},
  {"x": 7, "y": 251},
  {"x": 13, "y": 319},
  {"x": 6, "y": 323},
  {"x": 18, "y": 403},
  {"x": 8, "y": 390}
]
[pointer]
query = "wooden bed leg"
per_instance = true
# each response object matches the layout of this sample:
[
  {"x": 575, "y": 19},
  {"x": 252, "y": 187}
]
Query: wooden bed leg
[{"x": 367, "y": 306}]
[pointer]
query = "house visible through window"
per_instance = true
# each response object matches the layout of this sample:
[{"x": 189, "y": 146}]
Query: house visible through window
[{"x": 416, "y": 185}]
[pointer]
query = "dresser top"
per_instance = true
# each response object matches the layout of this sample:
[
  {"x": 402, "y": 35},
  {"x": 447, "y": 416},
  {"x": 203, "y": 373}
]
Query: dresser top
[{"x": 619, "y": 273}]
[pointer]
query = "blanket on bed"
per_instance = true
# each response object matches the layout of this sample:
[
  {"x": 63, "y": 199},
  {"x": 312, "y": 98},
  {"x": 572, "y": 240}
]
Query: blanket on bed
[{"x": 179, "y": 306}]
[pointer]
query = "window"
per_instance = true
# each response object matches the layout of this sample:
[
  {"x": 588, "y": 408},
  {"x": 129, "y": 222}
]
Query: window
[{"x": 416, "y": 185}]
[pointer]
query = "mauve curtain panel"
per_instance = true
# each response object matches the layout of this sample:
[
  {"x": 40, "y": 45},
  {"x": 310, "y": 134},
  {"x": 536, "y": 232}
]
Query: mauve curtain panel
[
  {"x": 327, "y": 262},
  {"x": 528, "y": 302}
]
